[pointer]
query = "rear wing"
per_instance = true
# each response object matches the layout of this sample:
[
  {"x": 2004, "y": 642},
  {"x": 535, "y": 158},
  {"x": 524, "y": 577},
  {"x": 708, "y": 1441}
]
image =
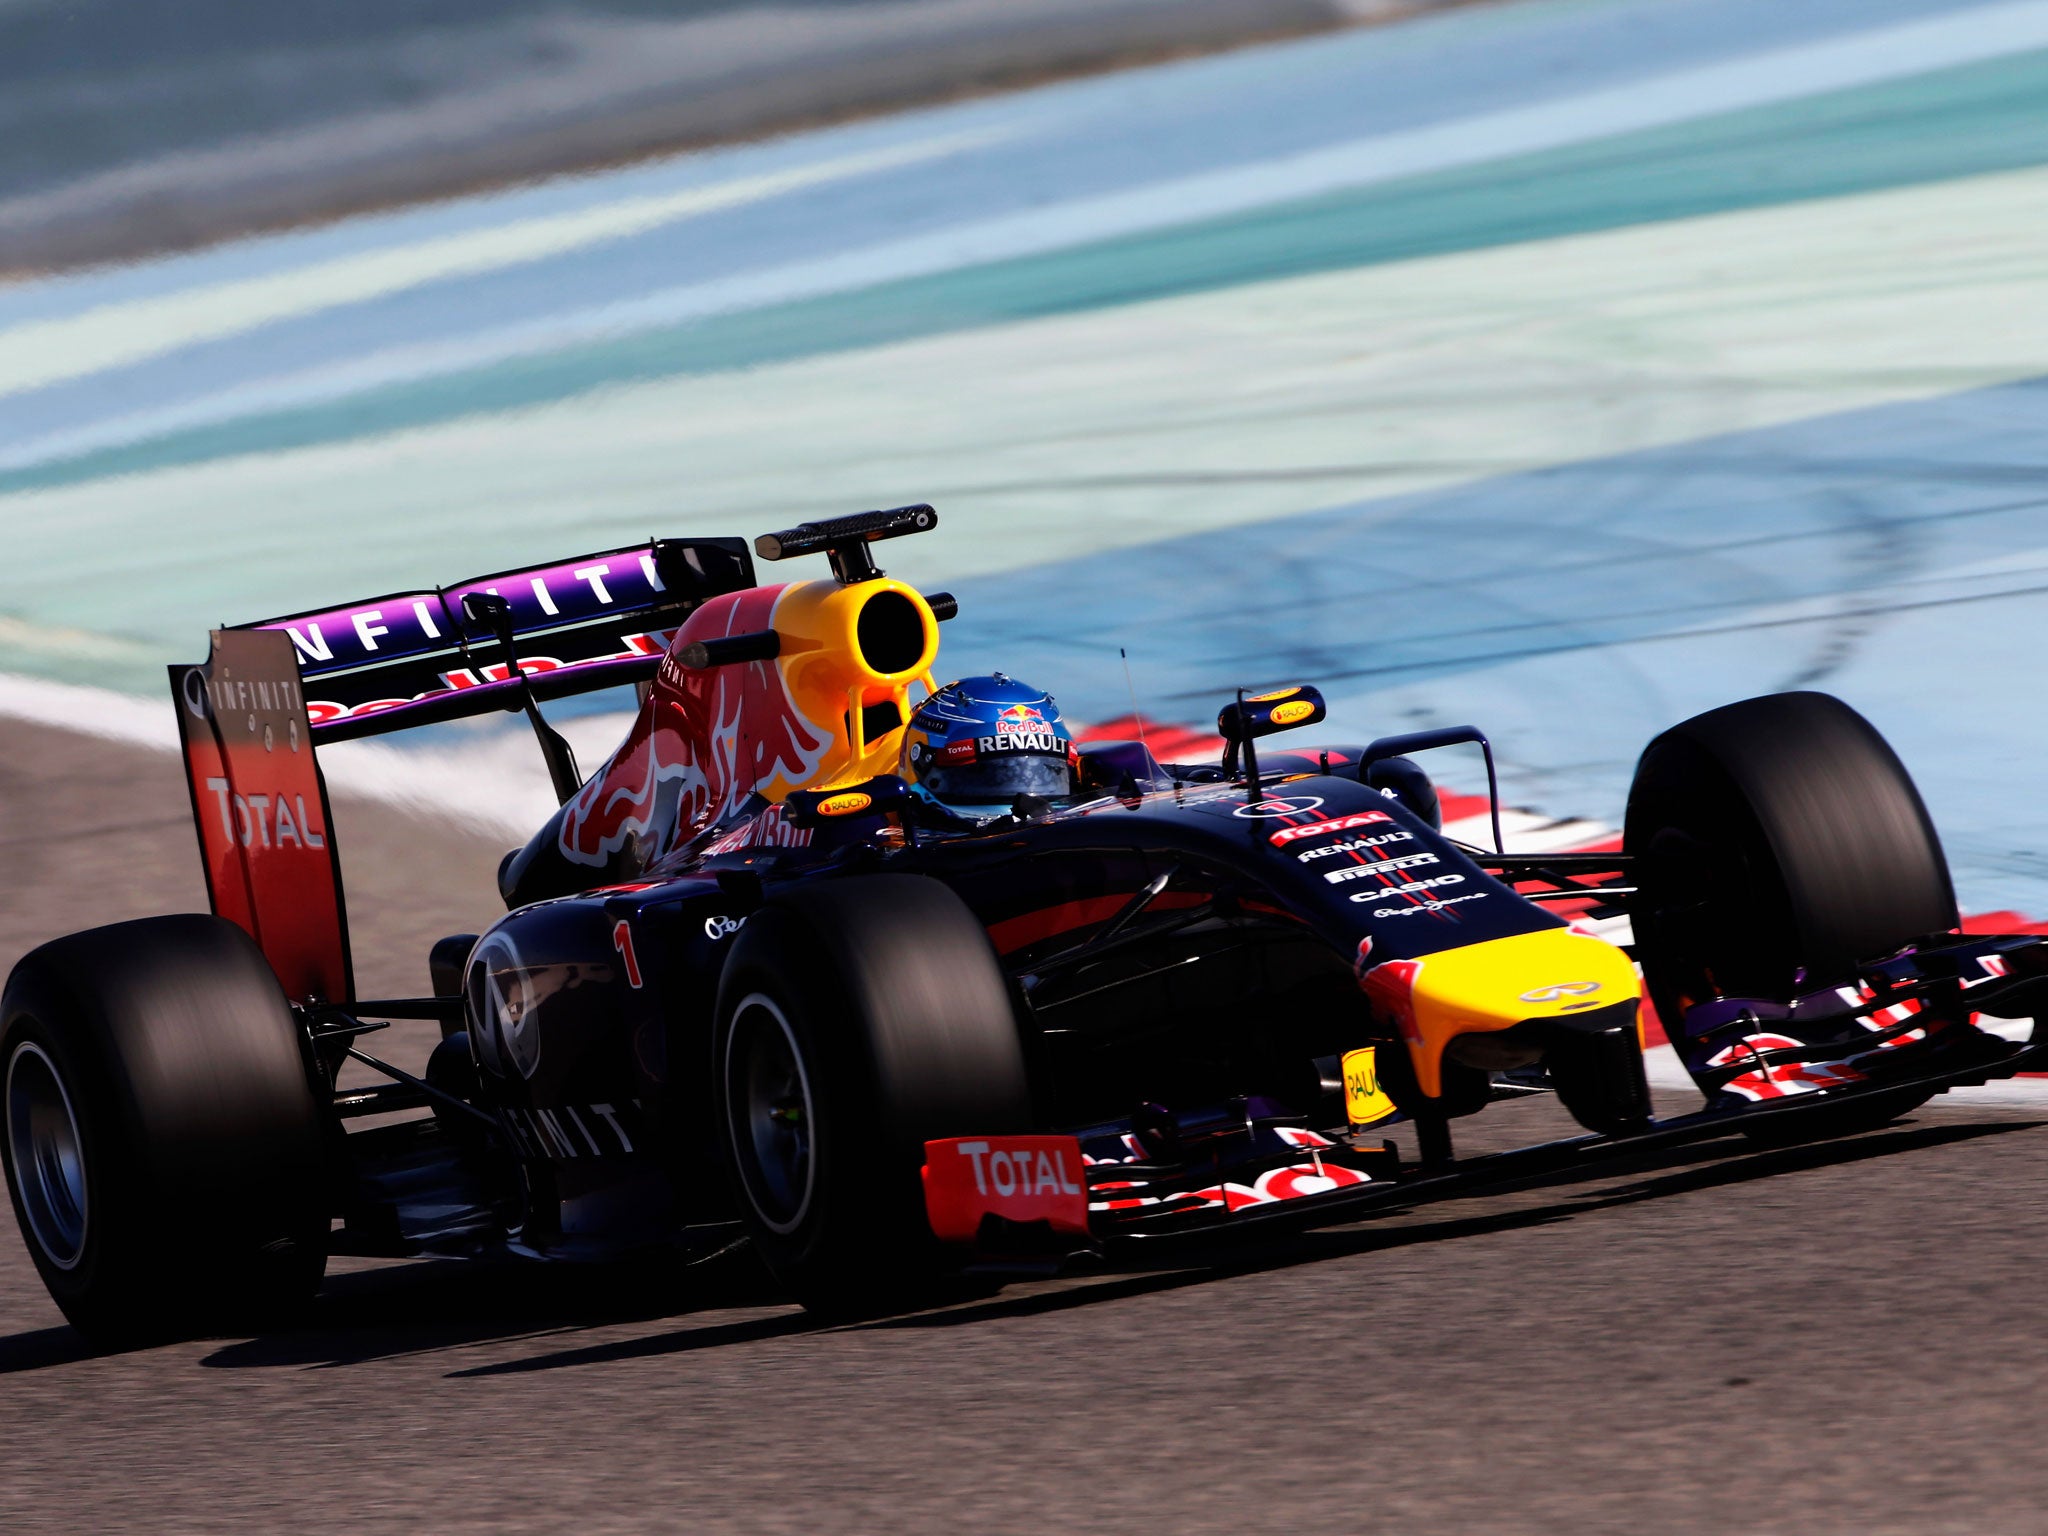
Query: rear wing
[
  {"x": 415, "y": 658},
  {"x": 251, "y": 714},
  {"x": 260, "y": 805}
]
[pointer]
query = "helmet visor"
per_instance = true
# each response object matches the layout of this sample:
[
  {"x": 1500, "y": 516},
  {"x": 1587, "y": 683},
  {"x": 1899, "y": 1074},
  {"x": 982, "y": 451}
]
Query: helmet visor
[{"x": 997, "y": 780}]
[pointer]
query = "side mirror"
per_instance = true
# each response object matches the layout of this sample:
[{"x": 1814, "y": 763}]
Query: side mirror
[{"x": 1264, "y": 713}]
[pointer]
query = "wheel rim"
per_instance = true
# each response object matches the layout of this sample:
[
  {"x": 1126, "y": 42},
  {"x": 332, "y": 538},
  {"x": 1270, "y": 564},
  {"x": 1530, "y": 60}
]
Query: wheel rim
[
  {"x": 46, "y": 1154},
  {"x": 769, "y": 1113}
]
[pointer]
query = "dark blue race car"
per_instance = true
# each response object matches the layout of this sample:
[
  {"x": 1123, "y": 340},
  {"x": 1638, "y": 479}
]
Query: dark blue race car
[{"x": 894, "y": 979}]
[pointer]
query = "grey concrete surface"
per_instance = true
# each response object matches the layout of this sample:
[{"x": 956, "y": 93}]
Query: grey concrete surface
[
  {"x": 129, "y": 126},
  {"x": 1840, "y": 1338}
]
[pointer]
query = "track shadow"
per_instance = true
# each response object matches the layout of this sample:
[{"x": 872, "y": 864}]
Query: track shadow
[
  {"x": 423, "y": 1308},
  {"x": 1795, "y": 1159},
  {"x": 683, "y": 1341},
  {"x": 1675, "y": 1171},
  {"x": 413, "y": 1309},
  {"x": 42, "y": 1348},
  {"x": 1679, "y": 1171}
]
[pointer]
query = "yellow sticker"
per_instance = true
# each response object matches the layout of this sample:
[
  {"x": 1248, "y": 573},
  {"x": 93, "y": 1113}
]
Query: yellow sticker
[
  {"x": 1365, "y": 1101},
  {"x": 1267, "y": 698},
  {"x": 1287, "y": 714},
  {"x": 845, "y": 805}
]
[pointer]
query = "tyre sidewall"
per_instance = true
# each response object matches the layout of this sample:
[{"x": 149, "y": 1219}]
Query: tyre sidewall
[
  {"x": 202, "y": 1140},
  {"x": 1778, "y": 835},
  {"x": 107, "y": 1273},
  {"x": 1683, "y": 803},
  {"x": 849, "y": 1211},
  {"x": 907, "y": 1030}
]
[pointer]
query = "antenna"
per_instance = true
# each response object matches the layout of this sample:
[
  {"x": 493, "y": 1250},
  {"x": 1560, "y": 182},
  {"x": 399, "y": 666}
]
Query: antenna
[
  {"x": 1255, "y": 790},
  {"x": 1136, "y": 719}
]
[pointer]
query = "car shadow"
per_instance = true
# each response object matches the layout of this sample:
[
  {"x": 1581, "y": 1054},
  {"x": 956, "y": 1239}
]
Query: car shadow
[
  {"x": 1656, "y": 1175},
  {"x": 412, "y": 1309},
  {"x": 42, "y": 1348},
  {"x": 1678, "y": 1171},
  {"x": 423, "y": 1308}
]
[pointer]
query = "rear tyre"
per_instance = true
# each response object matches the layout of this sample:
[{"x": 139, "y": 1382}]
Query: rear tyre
[
  {"x": 858, "y": 1019},
  {"x": 161, "y": 1137},
  {"x": 1780, "y": 843}
]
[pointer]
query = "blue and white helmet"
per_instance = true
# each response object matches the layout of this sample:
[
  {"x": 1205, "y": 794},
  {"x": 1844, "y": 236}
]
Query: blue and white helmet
[{"x": 977, "y": 744}]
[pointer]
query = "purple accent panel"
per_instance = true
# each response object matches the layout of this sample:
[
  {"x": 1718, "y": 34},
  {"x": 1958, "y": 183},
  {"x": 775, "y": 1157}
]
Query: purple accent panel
[
  {"x": 411, "y": 658},
  {"x": 383, "y": 629},
  {"x": 1711, "y": 1015},
  {"x": 543, "y": 598},
  {"x": 551, "y": 596}
]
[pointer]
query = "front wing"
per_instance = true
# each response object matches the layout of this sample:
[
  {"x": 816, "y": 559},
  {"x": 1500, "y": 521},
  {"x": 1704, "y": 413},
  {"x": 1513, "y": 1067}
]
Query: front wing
[{"x": 1250, "y": 1165}]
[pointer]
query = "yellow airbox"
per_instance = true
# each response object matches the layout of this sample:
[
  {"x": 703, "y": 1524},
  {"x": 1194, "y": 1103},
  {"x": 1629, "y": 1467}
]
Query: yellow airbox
[{"x": 849, "y": 655}]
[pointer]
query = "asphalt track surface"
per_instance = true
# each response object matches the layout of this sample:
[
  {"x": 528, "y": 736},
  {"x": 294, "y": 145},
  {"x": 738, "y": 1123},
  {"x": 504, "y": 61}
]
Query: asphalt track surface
[
  {"x": 1835, "y": 1338},
  {"x": 1568, "y": 367},
  {"x": 1787, "y": 351}
]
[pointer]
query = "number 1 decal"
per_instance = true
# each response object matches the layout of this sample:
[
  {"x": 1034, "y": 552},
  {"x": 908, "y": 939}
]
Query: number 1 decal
[{"x": 622, "y": 941}]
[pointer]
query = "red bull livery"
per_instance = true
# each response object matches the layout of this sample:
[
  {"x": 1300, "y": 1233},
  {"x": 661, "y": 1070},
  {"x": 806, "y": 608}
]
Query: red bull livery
[{"x": 883, "y": 973}]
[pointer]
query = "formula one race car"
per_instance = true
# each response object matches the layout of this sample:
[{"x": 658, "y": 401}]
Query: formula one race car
[{"x": 755, "y": 981}]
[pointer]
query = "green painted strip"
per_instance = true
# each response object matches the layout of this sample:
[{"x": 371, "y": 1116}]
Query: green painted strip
[
  {"x": 1117, "y": 429},
  {"x": 1936, "y": 127}
]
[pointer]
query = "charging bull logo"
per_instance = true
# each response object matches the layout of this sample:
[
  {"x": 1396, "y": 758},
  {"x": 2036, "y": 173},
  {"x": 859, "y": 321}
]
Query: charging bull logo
[
  {"x": 1021, "y": 717},
  {"x": 1390, "y": 986},
  {"x": 705, "y": 740}
]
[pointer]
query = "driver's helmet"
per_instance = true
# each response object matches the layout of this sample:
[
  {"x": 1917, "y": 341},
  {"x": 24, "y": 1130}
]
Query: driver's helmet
[{"x": 977, "y": 744}]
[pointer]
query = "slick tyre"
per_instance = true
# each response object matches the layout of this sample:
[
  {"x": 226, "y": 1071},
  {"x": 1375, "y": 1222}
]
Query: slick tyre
[
  {"x": 1779, "y": 844},
  {"x": 162, "y": 1142},
  {"x": 856, "y": 1020}
]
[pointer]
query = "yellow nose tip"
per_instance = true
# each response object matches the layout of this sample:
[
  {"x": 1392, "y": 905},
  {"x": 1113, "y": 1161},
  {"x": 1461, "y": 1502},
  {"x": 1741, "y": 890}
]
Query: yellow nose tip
[{"x": 1488, "y": 987}]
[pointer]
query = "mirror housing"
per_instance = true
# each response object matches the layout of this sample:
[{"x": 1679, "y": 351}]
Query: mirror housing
[{"x": 1280, "y": 709}]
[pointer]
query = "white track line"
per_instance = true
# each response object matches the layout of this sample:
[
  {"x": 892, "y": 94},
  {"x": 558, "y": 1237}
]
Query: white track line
[
  {"x": 120, "y": 334},
  {"x": 43, "y": 352},
  {"x": 494, "y": 784}
]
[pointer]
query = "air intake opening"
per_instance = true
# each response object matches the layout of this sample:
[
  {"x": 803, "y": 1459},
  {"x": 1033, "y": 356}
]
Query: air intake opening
[
  {"x": 890, "y": 633},
  {"x": 878, "y": 720}
]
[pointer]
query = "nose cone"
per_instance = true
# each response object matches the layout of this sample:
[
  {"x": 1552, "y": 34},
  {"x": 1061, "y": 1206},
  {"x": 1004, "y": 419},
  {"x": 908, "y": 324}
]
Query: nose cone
[{"x": 1494, "y": 986}]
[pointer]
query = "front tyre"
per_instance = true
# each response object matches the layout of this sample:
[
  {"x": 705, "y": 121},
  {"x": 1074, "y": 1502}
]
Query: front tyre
[
  {"x": 161, "y": 1138},
  {"x": 1780, "y": 843},
  {"x": 858, "y": 1019}
]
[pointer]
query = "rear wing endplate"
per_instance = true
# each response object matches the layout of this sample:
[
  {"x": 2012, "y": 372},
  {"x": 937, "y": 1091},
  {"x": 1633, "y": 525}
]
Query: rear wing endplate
[
  {"x": 251, "y": 714},
  {"x": 260, "y": 805}
]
